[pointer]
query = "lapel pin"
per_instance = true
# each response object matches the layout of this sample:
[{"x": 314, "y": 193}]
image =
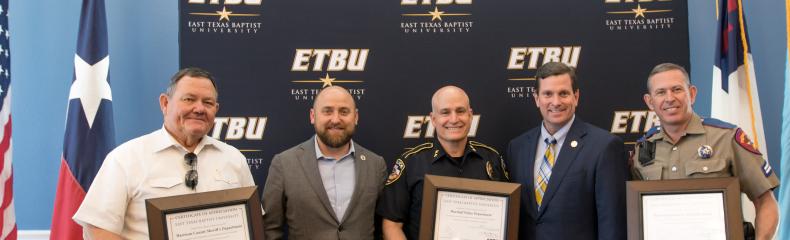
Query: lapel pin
[
  {"x": 574, "y": 143},
  {"x": 362, "y": 157}
]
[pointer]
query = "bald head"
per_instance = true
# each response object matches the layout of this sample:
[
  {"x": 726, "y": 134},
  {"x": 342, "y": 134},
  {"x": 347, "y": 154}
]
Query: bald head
[
  {"x": 333, "y": 93},
  {"x": 451, "y": 116},
  {"x": 449, "y": 94}
]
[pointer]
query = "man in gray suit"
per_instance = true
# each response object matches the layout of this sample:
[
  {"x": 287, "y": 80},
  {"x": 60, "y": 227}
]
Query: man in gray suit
[{"x": 326, "y": 187}]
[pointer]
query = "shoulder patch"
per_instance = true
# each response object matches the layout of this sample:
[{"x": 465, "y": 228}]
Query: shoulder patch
[
  {"x": 416, "y": 149},
  {"x": 653, "y": 130},
  {"x": 478, "y": 144},
  {"x": 745, "y": 142},
  {"x": 717, "y": 123},
  {"x": 397, "y": 170},
  {"x": 490, "y": 171}
]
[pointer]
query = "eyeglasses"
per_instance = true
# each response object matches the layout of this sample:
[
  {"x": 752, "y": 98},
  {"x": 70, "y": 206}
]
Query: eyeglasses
[{"x": 191, "y": 178}]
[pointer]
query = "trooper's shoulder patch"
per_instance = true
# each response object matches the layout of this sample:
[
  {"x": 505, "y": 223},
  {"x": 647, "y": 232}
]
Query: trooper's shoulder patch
[
  {"x": 397, "y": 171},
  {"x": 649, "y": 133},
  {"x": 474, "y": 144},
  {"x": 713, "y": 122},
  {"x": 743, "y": 140},
  {"x": 416, "y": 149}
]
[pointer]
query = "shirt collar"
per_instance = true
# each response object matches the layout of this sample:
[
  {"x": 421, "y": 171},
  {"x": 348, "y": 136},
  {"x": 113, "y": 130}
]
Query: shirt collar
[
  {"x": 560, "y": 134},
  {"x": 319, "y": 155},
  {"x": 163, "y": 140},
  {"x": 439, "y": 153},
  {"x": 695, "y": 127}
]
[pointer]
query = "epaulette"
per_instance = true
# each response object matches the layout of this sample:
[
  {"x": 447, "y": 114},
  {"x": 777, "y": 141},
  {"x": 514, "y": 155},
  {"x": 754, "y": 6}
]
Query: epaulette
[
  {"x": 400, "y": 165},
  {"x": 649, "y": 133},
  {"x": 717, "y": 123},
  {"x": 416, "y": 149},
  {"x": 478, "y": 144}
]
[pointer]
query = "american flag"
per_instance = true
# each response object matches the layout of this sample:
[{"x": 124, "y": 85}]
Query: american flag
[
  {"x": 7, "y": 216},
  {"x": 89, "y": 124}
]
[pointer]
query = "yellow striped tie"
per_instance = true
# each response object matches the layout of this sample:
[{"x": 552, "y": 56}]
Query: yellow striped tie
[{"x": 544, "y": 172}]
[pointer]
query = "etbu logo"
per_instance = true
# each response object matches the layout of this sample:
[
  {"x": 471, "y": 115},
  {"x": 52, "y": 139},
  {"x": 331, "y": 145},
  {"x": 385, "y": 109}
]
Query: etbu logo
[
  {"x": 634, "y": 121},
  {"x": 237, "y": 128},
  {"x": 565, "y": 54},
  {"x": 420, "y": 126},
  {"x": 330, "y": 59}
]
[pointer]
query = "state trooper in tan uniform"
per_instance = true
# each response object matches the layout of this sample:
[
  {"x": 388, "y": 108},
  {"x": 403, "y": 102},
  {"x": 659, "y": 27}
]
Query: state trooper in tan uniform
[{"x": 687, "y": 146}]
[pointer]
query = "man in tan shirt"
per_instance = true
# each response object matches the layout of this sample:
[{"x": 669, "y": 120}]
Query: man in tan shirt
[{"x": 687, "y": 146}]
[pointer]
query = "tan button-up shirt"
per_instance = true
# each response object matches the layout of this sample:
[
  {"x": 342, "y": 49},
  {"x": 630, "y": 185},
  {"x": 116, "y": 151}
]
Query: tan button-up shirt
[{"x": 705, "y": 151}]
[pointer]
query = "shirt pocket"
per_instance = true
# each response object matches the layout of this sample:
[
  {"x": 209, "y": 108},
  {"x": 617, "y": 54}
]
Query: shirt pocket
[
  {"x": 165, "y": 182},
  {"x": 227, "y": 177},
  {"x": 705, "y": 168},
  {"x": 652, "y": 172},
  {"x": 161, "y": 187}
]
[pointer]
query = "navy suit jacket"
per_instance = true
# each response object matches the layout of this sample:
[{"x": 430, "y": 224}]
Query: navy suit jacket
[{"x": 585, "y": 198}]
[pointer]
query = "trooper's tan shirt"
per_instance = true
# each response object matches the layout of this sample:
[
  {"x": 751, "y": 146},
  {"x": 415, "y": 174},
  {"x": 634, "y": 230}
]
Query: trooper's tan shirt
[{"x": 729, "y": 157}]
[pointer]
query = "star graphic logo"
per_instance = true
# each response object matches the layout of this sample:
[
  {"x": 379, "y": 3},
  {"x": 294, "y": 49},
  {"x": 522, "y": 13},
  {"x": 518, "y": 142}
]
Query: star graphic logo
[
  {"x": 639, "y": 11},
  {"x": 90, "y": 85},
  {"x": 436, "y": 14},
  {"x": 224, "y": 14},
  {"x": 327, "y": 81}
]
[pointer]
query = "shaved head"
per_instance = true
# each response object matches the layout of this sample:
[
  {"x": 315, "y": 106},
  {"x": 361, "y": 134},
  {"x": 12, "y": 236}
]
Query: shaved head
[
  {"x": 333, "y": 91},
  {"x": 448, "y": 92},
  {"x": 451, "y": 116}
]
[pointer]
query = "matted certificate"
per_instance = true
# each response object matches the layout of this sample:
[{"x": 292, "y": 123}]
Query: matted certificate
[
  {"x": 684, "y": 216},
  {"x": 225, "y": 214},
  {"x": 470, "y": 216},
  {"x": 702, "y": 208},
  {"x": 461, "y": 208},
  {"x": 229, "y": 222}
]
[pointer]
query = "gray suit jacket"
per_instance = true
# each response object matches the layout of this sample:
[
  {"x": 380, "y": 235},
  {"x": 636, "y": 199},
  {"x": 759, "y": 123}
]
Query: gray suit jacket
[{"x": 294, "y": 195}]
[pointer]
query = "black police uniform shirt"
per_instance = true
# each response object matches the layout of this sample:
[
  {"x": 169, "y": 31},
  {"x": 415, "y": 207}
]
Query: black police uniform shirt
[{"x": 401, "y": 200}]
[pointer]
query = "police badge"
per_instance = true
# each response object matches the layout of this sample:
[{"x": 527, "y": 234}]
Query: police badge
[{"x": 705, "y": 151}]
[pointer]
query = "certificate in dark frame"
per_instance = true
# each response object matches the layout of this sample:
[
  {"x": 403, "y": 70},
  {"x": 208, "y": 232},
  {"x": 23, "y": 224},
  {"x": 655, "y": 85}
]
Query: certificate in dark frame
[
  {"x": 158, "y": 208},
  {"x": 433, "y": 184},
  {"x": 728, "y": 187}
]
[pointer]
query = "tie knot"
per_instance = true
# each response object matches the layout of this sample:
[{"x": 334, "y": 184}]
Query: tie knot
[{"x": 550, "y": 141}]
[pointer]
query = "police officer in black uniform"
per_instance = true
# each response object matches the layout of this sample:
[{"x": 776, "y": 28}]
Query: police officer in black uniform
[{"x": 450, "y": 154}]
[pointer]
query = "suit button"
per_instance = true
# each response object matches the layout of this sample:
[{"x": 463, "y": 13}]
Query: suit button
[{"x": 340, "y": 229}]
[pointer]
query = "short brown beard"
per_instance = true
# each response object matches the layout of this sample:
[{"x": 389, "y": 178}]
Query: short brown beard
[{"x": 335, "y": 142}]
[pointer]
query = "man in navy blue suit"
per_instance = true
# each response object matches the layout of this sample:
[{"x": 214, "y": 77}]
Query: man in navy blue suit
[{"x": 572, "y": 173}]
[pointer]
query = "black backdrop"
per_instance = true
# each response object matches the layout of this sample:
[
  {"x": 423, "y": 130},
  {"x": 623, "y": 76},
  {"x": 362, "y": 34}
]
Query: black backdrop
[{"x": 414, "y": 47}]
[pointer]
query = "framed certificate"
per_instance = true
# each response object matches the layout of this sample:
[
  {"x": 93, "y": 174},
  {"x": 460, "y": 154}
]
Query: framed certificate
[
  {"x": 226, "y": 214},
  {"x": 702, "y": 208},
  {"x": 461, "y": 208}
]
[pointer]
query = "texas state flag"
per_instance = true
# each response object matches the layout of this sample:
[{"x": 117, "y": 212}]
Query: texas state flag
[{"x": 89, "y": 123}]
